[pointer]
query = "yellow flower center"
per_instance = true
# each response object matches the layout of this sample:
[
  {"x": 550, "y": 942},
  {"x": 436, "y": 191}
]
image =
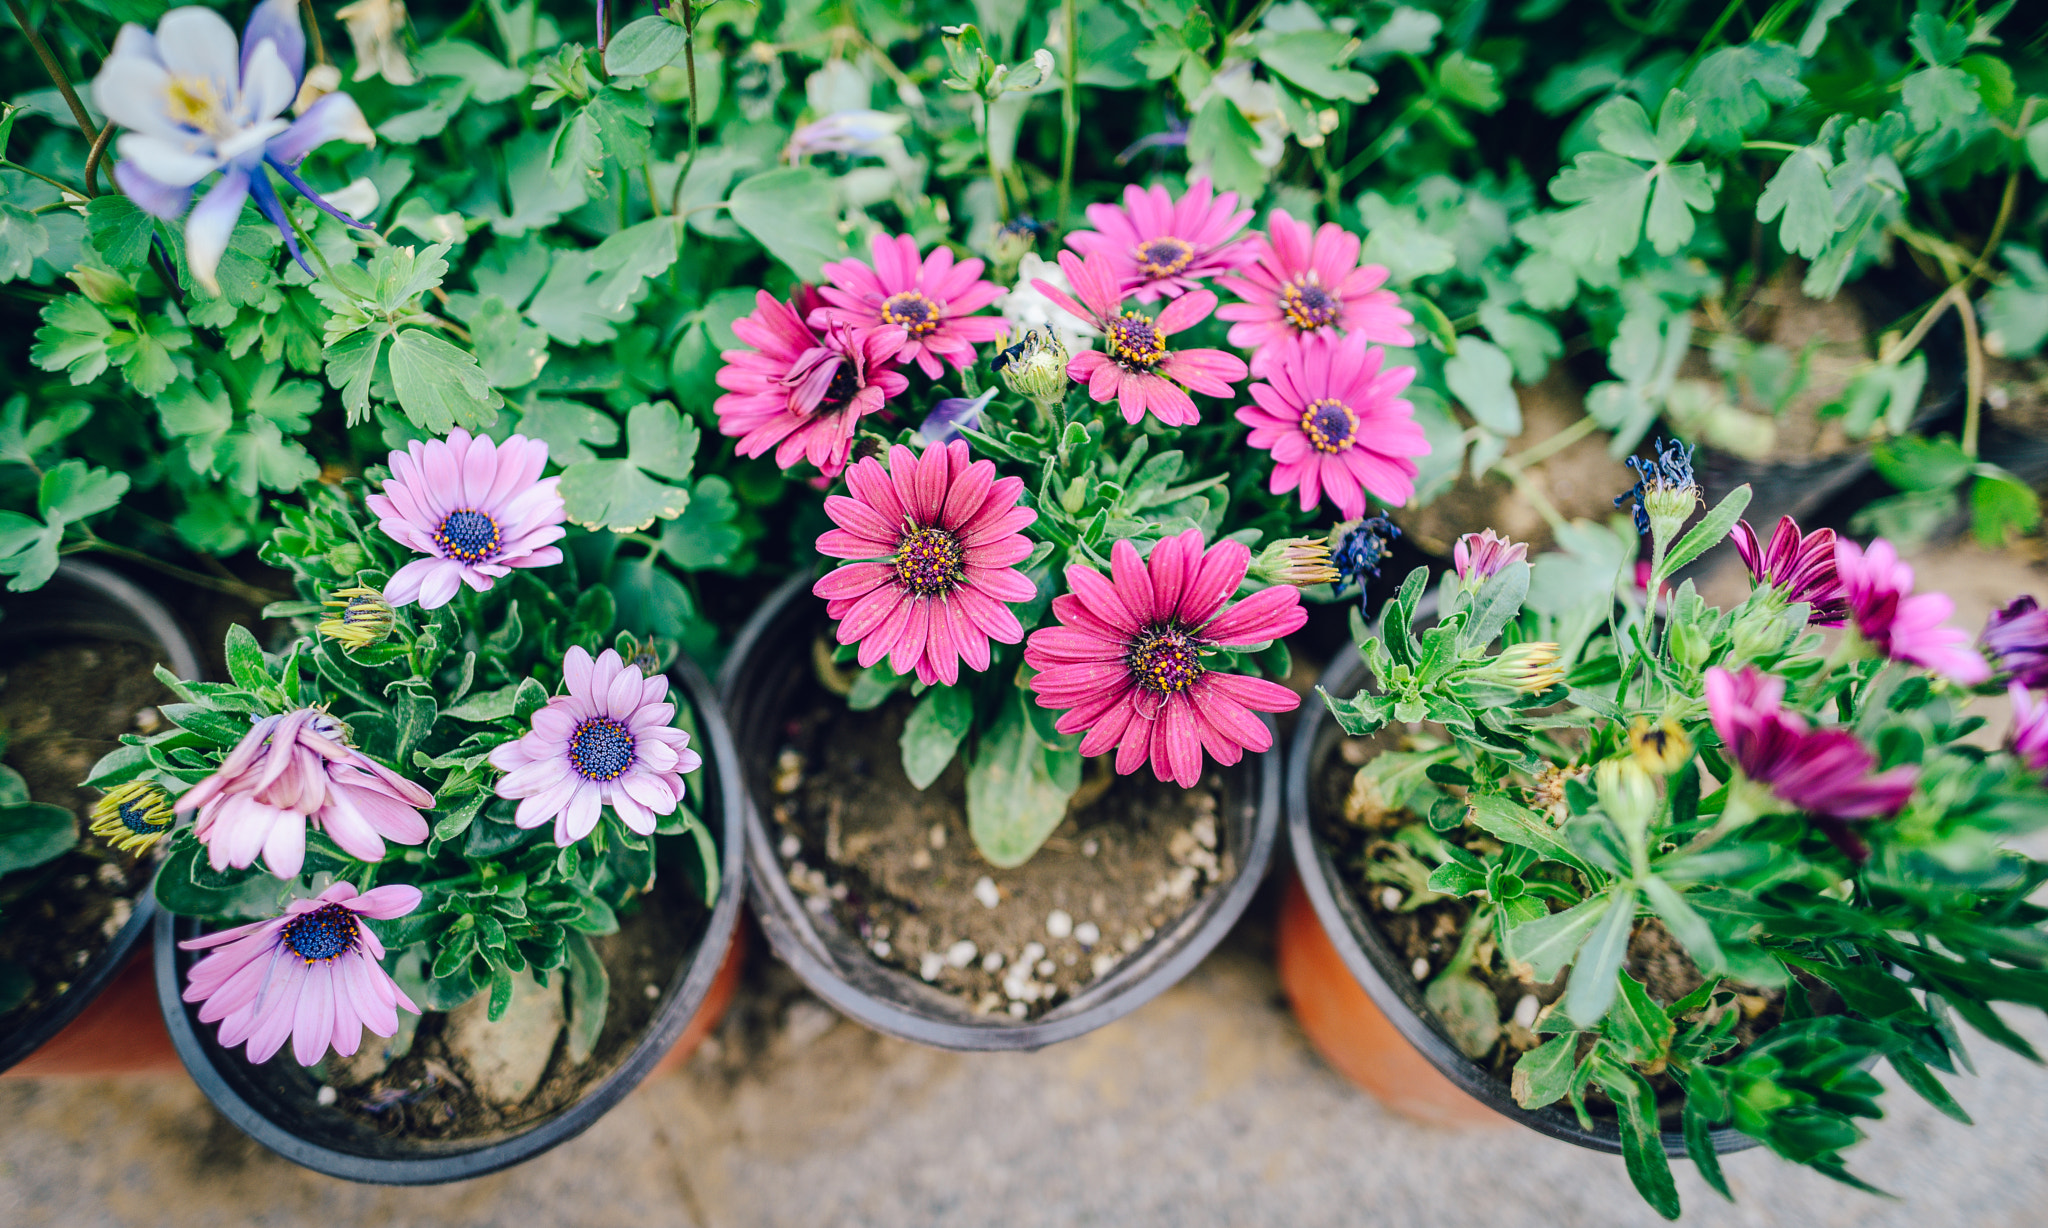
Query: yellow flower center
[
  {"x": 196, "y": 103},
  {"x": 1134, "y": 341},
  {"x": 1329, "y": 424},
  {"x": 1164, "y": 256}
]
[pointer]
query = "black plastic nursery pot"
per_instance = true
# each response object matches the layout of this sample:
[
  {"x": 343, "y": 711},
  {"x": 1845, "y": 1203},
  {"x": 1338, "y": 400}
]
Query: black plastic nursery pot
[
  {"x": 278, "y": 1103},
  {"x": 1380, "y": 970},
  {"x": 769, "y": 665},
  {"x": 84, "y": 601}
]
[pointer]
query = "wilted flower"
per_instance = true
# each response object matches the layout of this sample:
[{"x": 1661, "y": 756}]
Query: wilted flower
[
  {"x": 195, "y": 102},
  {"x": 607, "y": 740},
  {"x": 2029, "y": 736},
  {"x": 477, "y": 508},
  {"x": 1357, "y": 548},
  {"x": 1901, "y": 624},
  {"x": 1479, "y": 557},
  {"x": 1530, "y": 668},
  {"x": 1661, "y": 747},
  {"x": 1299, "y": 286},
  {"x": 1800, "y": 569},
  {"x": 361, "y": 617},
  {"x": 312, "y": 975},
  {"x": 1126, "y": 661},
  {"x": 133, "y": 816},
  {"x": 1336, "y": 425},
  {"x": 1665, "y": 493},
  {"x": 1820, "y": 771},
  {"x": 2017, "y": 637},
  {"x": 951, "y": 415},
  {"x": 854, "y": 133},
  {"x": 1300, "y": 561},
  {"x": 377, "y": 28},
  {"x": 1137, "y": 370},
  {"x": 293, "y": 769},
  {"x": 801, "y": 394},
  {"x": 930, "y": 300},
  {"x": 1158, "y": 247}
]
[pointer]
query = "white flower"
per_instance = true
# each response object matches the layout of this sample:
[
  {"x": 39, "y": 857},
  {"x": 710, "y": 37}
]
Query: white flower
[
  {"x": 1026, "y": 308},
  {"x": 375, "y": 26}
]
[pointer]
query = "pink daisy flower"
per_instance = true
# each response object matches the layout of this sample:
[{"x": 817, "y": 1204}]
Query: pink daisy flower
[
  {"x": 1899, "y": 623},
  {"x": 1800, "y": 567},
  {"x": 802, "y": 394},
  {"x": 1159, "y": 247},
  {"x": 1126, "y": 660},
  {"x": 1478, "y": 557},
  {"x": 1296, "y": 285},
  {"x": 293, "y": 769},
  {"x": 938, "y": 539},
  {"x": 2029, "y": 735},
  {"x": 1820, "y": 771},
  {"x": 311, "y": 975},
  {"x": 477, "y": 508},
  {"x": 1336, "y": 425},
  {"x": 1137, "y": 370},
  {"x": 930, "y": 298},
  {"x": 607, "y": 740}
]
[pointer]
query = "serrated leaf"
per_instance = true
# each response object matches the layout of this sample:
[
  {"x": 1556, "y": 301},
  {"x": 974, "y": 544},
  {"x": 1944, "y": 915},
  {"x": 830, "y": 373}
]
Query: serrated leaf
[
  {"x": 794, "y": 213},
  {"x": 22, "y": 240},
  {"x": 439, "y": 384},
  {"x": 1799, "y": 191},
  {"x": 1482, "y": 378},
  {"x": 705, "y": 535},
  {"x": 74, "y": 490}
]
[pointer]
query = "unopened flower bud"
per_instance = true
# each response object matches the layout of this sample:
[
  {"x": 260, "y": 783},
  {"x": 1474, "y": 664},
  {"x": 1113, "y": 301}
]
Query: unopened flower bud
[
  {"x": 1689, "y": 644},
  {"x": 1759, "y": 631},
  {"x": 1478, "y": 557},
  {"x": 1357, "y": 548},
  {"x": 361, "y": 618},
  {"x": 1627, "y": 794},
  {"x": 102, "y": 287},
  {"x": 1660, "y": 748},
  {"x": 133, "y": 816},
  {"x": 1075, "y": 496},
  {"x": 1035, "y": 367},
  {"x": 1530, "y": 668},
  {"x": 1014, "y": 240},
  {"x": 1300, "y": 561}
]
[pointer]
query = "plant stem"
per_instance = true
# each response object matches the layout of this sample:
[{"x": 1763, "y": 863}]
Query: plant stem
[
  {"x": 1536, "y": 453},
  {"x": 234, "y": 588},
  {"x": 1973, "y": 379},
  {"x": 995, "y": 173},
  {"x": 1070, "y": 103},
  {"x": 675, "y": 197},
  {"x": 58, "y": 184},
  {"x": 56, "y": 71},
  {"x": 311, "y": 20},
  {"x": 1395, "y": 131},
  {"x": 92, "y": 160},
  {"x": 1243, "y": 27}
]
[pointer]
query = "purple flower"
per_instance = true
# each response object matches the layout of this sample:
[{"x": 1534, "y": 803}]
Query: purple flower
[
  {"x": 1800, "y": 568},
  {"x": 2029, "y": 736},
  {"x": 605, "y": 741},
  {"x": 475, "y": 507},
  {"x": 1478, "y": 557},
  {"x": 195, "y": 102},
  {"x": 1899, "y": 623},
  {"x": 293, "y": 769},
  {"x": 951, "y": 415},
  {"x": 1820, "y": 771},
  {"x": 311, "y": 975},
  {"x": 2018, "y": 639}
]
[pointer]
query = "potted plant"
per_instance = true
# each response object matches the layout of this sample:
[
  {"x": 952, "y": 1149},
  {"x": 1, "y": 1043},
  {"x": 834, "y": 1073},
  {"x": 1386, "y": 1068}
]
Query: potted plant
[
  {"x": 457, "y": 874},
  {"x": 1675, "y": 883},
  {"x": 80, "y": 657}
]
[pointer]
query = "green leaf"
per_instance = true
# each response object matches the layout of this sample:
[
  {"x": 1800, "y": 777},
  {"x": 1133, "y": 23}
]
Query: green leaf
[
  {"x": 644, "y": 46},
  {"x": 1495, "y": 605},
  {"x": 32, "y": 833},
  {"x": 439, "y": 384},
  {"x": 705, "y": 535},
  {"x": 1734, "y": 88},
  {"x": 619, "y": 494},
  {"x": 1222, "y": 139},
  {"x": 22, "y": 239},
  {"x": 1699, "y": 1138},
  {"x": 1637, "y": 1025},
  {"x": 1482, "y": 379},
  {"x": 188, "y": 887},
  {"x": 1313, "y": 60},
  {"x": 1915, "y": 1074},
  {"x": 660, "y": 440},
  {"x": 73, "y": 338},
  {"x": 1936, "y": 41},
  {"x": 1549, "y": 944},
  {"x": 1544, "y": 1074},
  {"x": 933, "y": 733},
  {"x": 1509, "y": 820},
  {"x": 1708, "y": 533},
  {"x": 509, "y": 351},
  {"x": 589, "y": 988},
  {"x": 74, "y": 490},
  {"x": 1642, "y": 1142},
  {"x": 794, "y": 213},
  {"x": 1615, "y": 188},
  {"x": 1595, "y": 974},
  {"x": 2015, "y": 312},
  {"x": 1914, "y": 463},
  {"x": 351, "y": 362},
  {"x": 245, "y": 661},
  {"x": 1685, "y": 924},
  {"x": 1800, "y": 192},
  {"x": 1017, "y": 787},
  {"x": 2002, "y": 507},
  {"x": 567, "y": 427},
  {"x": 1940, "y": 98},
  {"x": 1475, "y": 83}
]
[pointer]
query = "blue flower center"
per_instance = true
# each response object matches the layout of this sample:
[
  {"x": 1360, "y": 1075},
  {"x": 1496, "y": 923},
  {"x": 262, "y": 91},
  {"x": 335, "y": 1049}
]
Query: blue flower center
[
  {"x": 323, "y": 934},
  {"x": 1307, "y": 305},
  {"x": 1164, "y": 256},
  {"x": 469, "y": 535},
  {"x": 1329, "y": 424},
  {"x": 1166, "y": 659},
  {"x": 144, "y": 816},
  {"x": 601, "y": 749},
  {"x": 1134, "y": 342},
  {"x": 930, "y": 561},
  {"x": 912, "y": 312}
]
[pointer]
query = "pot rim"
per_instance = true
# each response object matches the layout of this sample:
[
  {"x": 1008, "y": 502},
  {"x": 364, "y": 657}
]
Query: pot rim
[
  {"x": 685, "y": 994},
  {"x": 1379, "y": 971},
  {"x": 155, "y": 620},
  {"x": 1136, "y": 980}
]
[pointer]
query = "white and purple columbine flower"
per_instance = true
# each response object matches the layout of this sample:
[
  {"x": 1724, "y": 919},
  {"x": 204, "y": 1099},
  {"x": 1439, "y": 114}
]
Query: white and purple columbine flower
[
  {"x": 475, "y": 507},
  {"x": 195, "y": 101},
  {"x": 607, "y": 740}
]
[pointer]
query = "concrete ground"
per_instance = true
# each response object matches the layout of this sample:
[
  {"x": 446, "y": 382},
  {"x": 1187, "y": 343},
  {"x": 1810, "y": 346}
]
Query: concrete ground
[{"x": 1206, "y": 1107}]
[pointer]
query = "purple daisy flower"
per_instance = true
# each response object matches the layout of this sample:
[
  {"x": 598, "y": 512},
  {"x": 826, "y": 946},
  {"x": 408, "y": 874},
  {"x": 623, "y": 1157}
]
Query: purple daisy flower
[
  {"x": 2029, "y": 736},
  {"x": 1800, "y": 567},
  {"x": 1900, "y": 623},
  {"x": 2018, "y": 639},
  {"x": 476, "y": 507},
  {"x": 605, "y": 741},
  {"x": 311, "y": 975}
]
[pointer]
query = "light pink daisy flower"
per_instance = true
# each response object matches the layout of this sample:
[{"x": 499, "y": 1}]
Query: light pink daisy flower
[
  {"x": 1126, "y": 661},
  {"x": 1336, "y": 424},
  {"x": 802, "y": 394},
  {"x": 938, "y": 539},
  {"x": 1159, "y": 247},
  {"x": 1478, "y": 557},
  {"x": 293, "y": 769},
  {"x": 1296, "y": 286},
  {"x": 931, "y": 299},
  {"x": 1899, "y": 623},
  {"x": 1137, "y": 370},
  {"x": 607, "y": 740},
  {"x": 476, "y": 507},
  {"x": 311, "y": 975}
]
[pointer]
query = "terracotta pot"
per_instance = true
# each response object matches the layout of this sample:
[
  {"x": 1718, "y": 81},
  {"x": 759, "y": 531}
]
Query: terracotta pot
[
  {"x": 120, "y": 1032},
  {"x": 712, "y": 1013}
]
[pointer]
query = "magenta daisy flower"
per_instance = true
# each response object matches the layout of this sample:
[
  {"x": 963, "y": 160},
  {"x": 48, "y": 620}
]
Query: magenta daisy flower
[
  {"x": 1296, "y": 286},
  {"x": 930, "y": 298},
  {"x": 1800, "y": 568},
  {"x": 607, "y": 740},
  {"x": 1126, "y": 661},
  {"x": 477, "y": 508},
  {"x": 312, "y": 975},
  {"x": 294, "y": 769},
  {"x": 1820, "y": 771},
  {"x": 1138, "y": 371},
  {"x": 1478, "y": 557},
  {"x": 1159, "y": 247},
  {"x": 2029, "y": 736},
  {"x": 938, "y": 540},
  {"x": 1336, "y": 425},
  {"x": 802, "y": 394},
  {"x": 2017, "y": 637},
  {"x": 1899, "y": 623}
]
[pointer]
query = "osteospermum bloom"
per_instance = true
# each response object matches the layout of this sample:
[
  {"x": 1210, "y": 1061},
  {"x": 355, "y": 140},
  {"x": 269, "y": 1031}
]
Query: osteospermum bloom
[
  {"x": 1161, "y": 247},
  {"x": 2028, "y": 737},
  {"x": 133, "y": 815},
  {"x": 195, "y": 101},
  {"x": 295, "y": 769},
  {"x": 930, "y": 299},
  {"x": 2017, "y": 637},
  {"x": 477, "y": 508},
  {"x": 607, "y": 740},
  {"x": 311, "y": 975},
  {"x": 1821, "y": 771},
  {"x": 1899, "y": 623},
  {"x": 1135, "y": 367},
  {"x": 1336, "y": 425},
  {"x": 1126, "y": 662},
  {"x": 937, "y": 539},
  {"x": 1800, "y": 568},
  {"x": 1298, "y": 286},
  {"x": 1478, "y": 557},
  {"x": 799, "y": 393},
  {"x": 358, "y": 616}
]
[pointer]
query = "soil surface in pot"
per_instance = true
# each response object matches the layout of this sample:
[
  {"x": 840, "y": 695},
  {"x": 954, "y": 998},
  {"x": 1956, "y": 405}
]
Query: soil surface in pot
[
  {"x": 897, "y": 867},
  {"x": 64, "y": 704},
  {"x": 1427, "y": 935},
  {"x": 458, "y": 1076}
]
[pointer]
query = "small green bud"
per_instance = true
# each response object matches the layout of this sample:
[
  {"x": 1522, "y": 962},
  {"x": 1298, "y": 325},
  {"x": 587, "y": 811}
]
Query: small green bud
[
  {"x": 1689, "y": 644},
  {"x": 1075, "y": 496},
  {"x": 1035, "y": 367},
  {"x": 102, "y": 287}
]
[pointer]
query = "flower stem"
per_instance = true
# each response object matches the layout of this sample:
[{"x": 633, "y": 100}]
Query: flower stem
[
  {"x": 57, "y": 76},
  {"x": 1070, "y": 103},
  {"x": 92, "y": 160},
  {"x": 234, "y": 588},
  {"x": 58, "y": 184},
  {"x": 311, "y": 20},
  {"x": 675, "y": 197}
]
